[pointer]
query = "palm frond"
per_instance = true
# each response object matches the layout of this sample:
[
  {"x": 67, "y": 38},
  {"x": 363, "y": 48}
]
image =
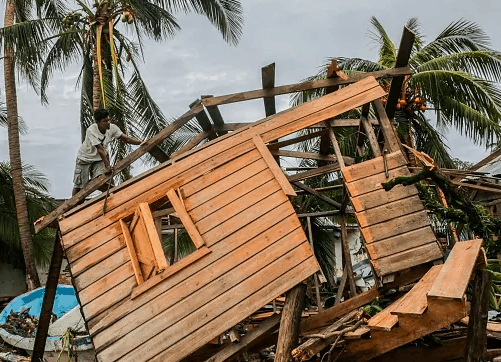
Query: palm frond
[
  {"x": 387, "y": 50},
  {"x": 154, "y": 21},
  {"x": 419, "y": 39}
]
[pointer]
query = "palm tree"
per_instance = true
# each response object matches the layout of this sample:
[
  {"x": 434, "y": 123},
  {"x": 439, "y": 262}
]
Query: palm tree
[
  {"x": 20, "y": 11},
  {"x": 110, "y": 76},
  {"x": 454, "y": 76},
  {"x": 38, "y": 204}
]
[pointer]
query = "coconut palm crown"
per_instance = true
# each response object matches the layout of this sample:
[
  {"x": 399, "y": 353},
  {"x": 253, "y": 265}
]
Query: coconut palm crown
[{"x": 454, "y": 76}]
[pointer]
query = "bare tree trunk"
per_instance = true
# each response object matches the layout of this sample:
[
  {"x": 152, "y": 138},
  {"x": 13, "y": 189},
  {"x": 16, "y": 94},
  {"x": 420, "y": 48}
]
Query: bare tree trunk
[
  {"x": 32, "y": 279},
  {"x": 288, "y": 334}
]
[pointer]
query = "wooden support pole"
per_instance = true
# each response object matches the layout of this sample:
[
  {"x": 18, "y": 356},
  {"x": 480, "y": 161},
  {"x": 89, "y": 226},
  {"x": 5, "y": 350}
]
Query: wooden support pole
[
  {"x": 335, "y": 145},
  {"x": 315, "y": 276},
  {"x": 204, "y": 121},
  {"x": 347, "y": 255},
  {"x": 266, "y": 327},
  {"x": 288, "y": 334},
  {"x": 477, "y": 326},
  {"x": 342, "y": 285},
  {"x": 391, "y": 140},
  {"x": 443, "y": 201},
  {"x": 268, "y": 82},
  {"x": 48, "y": 299}
]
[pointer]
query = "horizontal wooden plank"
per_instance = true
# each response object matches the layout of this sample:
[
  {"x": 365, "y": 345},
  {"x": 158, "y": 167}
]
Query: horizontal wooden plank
[
  {"x": 230, "y": 195},
  {"x": 407, "y": 259},
  {"x": 238, "y": 221},
  {"x": 395, "y": 227},
  {"x": 455, "y": 275},
  {"x": 77, "y": 245},
  {"x": 308, "y": 155},
  {"x": 373, "y": 167},
  {"x": 372, "y": 183},
  {"x": 105, "y": 284},
  {"x": 414, "y": 303},
  {"x": 276, "y": 222},
  {"x": 107, "y": 300},
  {"x": 218, "y": 217},
  {"x": 400, "y": 242},
  {"x": 97, "y": 255},
  {"x": 389, "y": 211},
  {"x": 381, "y": 197},
  {"x": 101, "y": 269},
  {"x": 299, "y": 87},
  {"x": 220, "y": 173},
  {"x": 166, "y": 312},
  {"x": 384, "y": 320},
  {"x": 279, "y": 286},
  {"x": 207, "y": 312},
  {"x": 323, "y": 170}
]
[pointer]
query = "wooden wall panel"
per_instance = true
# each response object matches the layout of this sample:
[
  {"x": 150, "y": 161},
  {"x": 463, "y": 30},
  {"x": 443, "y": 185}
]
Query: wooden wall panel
[
  {"x": 395, "y": 227},
  {"x": 97, "y": 255}
]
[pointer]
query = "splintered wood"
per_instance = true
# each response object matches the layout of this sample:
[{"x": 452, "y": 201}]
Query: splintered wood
[
  {"x": 232, "y": 200},
  {"x": 394, "y": 224}
]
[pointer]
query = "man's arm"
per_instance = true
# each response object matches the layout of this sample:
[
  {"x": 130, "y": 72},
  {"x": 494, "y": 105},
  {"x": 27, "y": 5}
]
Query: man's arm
[
  {"x": 132, "y": 140},
  {"x": 104, "y": 156}
]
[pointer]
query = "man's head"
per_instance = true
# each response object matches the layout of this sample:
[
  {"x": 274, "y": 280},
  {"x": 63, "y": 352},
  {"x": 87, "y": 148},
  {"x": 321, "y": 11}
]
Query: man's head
[{"x": 102, "y": 117}]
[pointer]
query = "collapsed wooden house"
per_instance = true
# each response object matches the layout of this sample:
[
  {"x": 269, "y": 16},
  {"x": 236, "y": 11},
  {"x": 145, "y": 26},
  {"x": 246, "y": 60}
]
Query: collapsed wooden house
[{"x": 232, "y": 198}]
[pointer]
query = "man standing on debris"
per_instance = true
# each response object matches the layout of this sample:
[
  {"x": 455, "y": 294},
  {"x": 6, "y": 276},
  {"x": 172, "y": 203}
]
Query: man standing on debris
[{"x": 92, "y": 158}]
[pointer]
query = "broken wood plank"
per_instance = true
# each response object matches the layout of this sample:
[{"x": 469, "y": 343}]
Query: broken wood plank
[
  {"x": 415, "y": 303},
  {"x": 299, "y": 87},
  {"x": 358, "y": 333},
  {"x": 454, "y": 277},
  {"x": 385, "y": 320},
  {"x": 266, "y": 327}
]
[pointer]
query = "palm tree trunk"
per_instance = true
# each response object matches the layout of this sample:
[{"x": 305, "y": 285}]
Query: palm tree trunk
[
  {"x": 96, "y": 90},
  {"x": 32, "y": 279}
]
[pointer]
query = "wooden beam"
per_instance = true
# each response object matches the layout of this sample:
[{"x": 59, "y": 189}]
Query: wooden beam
[
  {"x": 204, "y": 121},
  {"x": 299, "y": 87},
  {"x": 268, "y": 82},
  {"x": 476, "y": 187},
  {"x": 315, "y": 276},
  {"x": 347, "y": 255},
  {"x": 335, "y": 145},
  {"x": 315, "y": 172},
  {"x": 99, "y": 181},
  {"x": 317, "y": 194},
  {"x": 389, "y": 134},
  {"x": 404, "y": 53},
  {"x": 215, "y": 115},
  {"x": 277, "y": 145},
  {"x": 265, "y": 328},
  {"x": 477, "y": 326},
  {"x": 310, "y": 155},
  {"x": 192, "y": 143}
]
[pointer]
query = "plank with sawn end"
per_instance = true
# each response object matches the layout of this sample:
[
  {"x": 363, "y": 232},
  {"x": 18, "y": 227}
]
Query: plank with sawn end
[
  {"x": 453, "y": 279},
  {"x": 230, "y": 195},
  {"x": 399, "y": 243},
  {"x": 373, "y": 167},
  {"x": 372, "y": 183},
  {"x": 415, "y": 303},
  {"x": 381, "y": 197},
  {"x": 395, "y": 227},
  {"x": 407, "y": 259},
  {"x": 384, "y": 320},
  {"x": 389, "y": 211},
  {"x": 358, "y": 333}
]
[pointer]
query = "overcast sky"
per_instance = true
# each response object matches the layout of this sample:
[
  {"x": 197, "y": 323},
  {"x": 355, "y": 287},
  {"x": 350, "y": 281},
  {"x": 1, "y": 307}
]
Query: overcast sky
[{"x": 297, "y": 35}]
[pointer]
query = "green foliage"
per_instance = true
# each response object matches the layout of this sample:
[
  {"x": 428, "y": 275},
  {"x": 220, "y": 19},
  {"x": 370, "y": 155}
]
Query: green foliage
[
  {"x": 39, "y": 204},
  {"x": 454, "y": 76}
]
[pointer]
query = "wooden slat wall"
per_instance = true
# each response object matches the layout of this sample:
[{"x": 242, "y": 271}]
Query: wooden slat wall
[
  {"x": 394, "y": 224},
  {"x": 258, "y": 250}
]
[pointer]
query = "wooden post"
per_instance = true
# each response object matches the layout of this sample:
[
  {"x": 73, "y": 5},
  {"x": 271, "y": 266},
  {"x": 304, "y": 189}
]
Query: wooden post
[
  {"x": 347, "y": 255},
  {"x": 477, "y": 326},
  {"x": 315, "y": 276},
  {"x": 288, "y": 334},
  {"x": 48, "y": 300}
]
